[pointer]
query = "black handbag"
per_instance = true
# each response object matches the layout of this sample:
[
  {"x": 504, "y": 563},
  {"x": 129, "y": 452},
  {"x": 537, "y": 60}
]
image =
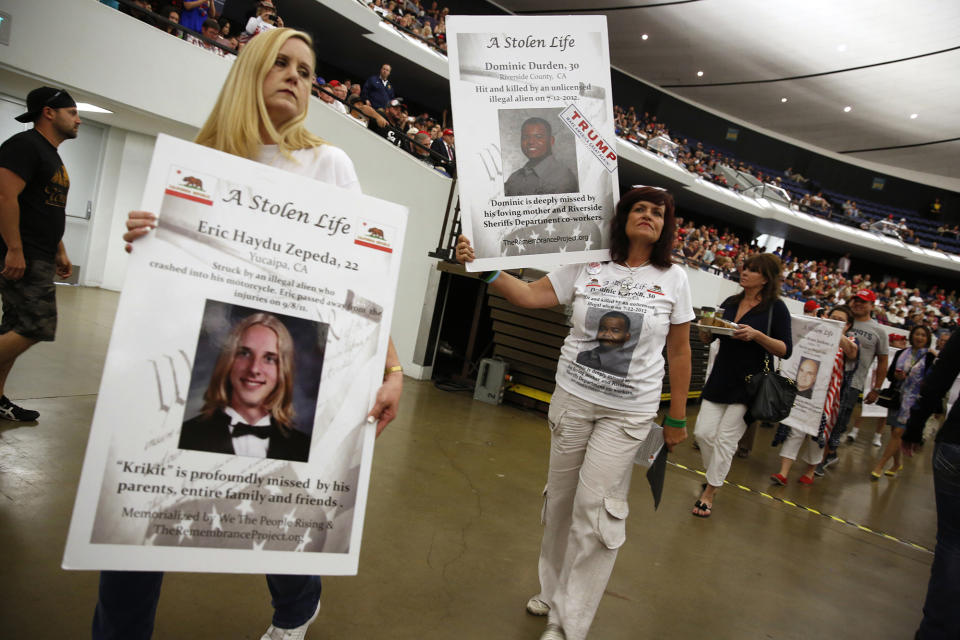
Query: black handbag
[
  {"x": 889, "y": 398},
  {"x": 771, "y": 394}
]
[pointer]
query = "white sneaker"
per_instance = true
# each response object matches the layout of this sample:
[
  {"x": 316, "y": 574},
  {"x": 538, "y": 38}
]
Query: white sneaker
[
  {"x": 298, "y": 633},
  {"x": 852, "y": 434},
  {"x": 537, "y": 607},
  {"x": 877, "y": 440},
  {"x": 553, "y": 632}
]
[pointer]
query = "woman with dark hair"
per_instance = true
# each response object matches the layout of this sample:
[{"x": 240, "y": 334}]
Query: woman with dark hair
[
  {"x": 905, "y": 374},
  {"x": 763, "y": 330},
  {"x": 599, "y": 416}
]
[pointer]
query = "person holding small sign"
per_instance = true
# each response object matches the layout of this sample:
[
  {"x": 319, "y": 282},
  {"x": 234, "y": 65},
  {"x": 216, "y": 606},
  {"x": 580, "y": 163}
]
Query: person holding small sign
[
  {"x": 272, "y": 78},
  {"x": 599, "y": 416}
]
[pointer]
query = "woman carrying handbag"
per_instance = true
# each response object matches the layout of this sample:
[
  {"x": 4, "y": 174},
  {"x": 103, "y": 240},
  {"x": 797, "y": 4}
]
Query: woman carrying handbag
[
  {"x": 909, "y": 367},
  {"x": 725, "y": 399}
]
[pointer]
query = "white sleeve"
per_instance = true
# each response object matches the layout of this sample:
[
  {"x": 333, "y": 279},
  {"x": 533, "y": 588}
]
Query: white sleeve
[
  {"x": 345, "y": 176},
  {"x": 252, "y": 25},
  {"x": 683, "y": 307},
  {"x": 564, "y": 281}
]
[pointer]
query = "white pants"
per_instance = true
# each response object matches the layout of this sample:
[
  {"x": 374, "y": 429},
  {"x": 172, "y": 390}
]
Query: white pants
[
  {"x": 718, "y": 430},
  {"x": 801, "y": 443},
  {"x": 592, "y": 450}
]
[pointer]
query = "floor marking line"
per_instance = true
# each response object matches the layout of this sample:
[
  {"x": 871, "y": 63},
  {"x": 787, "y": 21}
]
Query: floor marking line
[{"x": 796, "y": 505}]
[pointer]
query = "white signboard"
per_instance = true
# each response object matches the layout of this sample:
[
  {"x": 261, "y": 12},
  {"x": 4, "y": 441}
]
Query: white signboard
[
  {"x": 536, "y": 151},
  {"x": 259, "y": 288},
  {"x": 815, "y": 344}
]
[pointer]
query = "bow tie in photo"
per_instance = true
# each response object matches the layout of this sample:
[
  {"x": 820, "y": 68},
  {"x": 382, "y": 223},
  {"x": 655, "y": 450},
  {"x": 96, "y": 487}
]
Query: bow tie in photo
[{"x": 241, "y": 429}]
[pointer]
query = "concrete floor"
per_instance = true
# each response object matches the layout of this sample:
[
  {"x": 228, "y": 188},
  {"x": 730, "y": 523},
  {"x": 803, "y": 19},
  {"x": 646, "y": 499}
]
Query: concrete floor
[{"x": 452, "y": 531}]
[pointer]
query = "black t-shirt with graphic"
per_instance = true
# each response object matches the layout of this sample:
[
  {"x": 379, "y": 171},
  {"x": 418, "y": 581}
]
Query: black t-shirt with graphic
[{"x": 43, "y": 200}]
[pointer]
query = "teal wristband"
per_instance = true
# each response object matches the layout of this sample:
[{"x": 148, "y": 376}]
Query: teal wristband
[
  {"x": 489, "y": 276},
  {"x": 676, "y": 423}
]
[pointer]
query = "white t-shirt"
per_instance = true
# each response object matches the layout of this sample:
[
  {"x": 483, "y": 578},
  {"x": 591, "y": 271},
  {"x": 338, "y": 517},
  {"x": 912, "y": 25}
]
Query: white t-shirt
[
  {"x": 325, "y": 163},
  {"x": 632, "y": 310}
]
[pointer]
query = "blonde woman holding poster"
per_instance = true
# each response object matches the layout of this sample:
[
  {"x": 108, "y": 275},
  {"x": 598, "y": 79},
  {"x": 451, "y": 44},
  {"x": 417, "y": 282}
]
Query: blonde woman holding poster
[
  {"x": 609, "y": 379},
  {"x": 259, "y": 115}
]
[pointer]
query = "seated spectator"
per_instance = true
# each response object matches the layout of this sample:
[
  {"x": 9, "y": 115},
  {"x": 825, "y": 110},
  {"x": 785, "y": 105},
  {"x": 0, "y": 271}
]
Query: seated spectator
[
  {"x": 421, "y": 150},
  {"x": 392, "y": 127},
  {"x": 264, "y": 18},
  {"x": 328, "y": 94},
  {"x": 142, "y": 13},
  {"x": 444, "y": 146},
  {"x": 210, "y": 30},
  {"x": 364, "y": 113},
  {"x": 173, "y": 16}
]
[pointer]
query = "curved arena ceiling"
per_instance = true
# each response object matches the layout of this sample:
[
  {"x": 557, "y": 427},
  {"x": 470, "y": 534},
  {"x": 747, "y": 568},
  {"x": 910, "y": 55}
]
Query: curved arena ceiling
[{"x": 885, "y": 60}]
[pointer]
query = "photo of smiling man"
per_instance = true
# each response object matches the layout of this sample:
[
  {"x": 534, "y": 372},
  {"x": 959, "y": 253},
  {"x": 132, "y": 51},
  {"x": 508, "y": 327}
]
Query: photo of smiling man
[
  {"x": 544, "y": 172},
  {"x": 612, "y": 354},
  {"x": 248, "y": 405}
]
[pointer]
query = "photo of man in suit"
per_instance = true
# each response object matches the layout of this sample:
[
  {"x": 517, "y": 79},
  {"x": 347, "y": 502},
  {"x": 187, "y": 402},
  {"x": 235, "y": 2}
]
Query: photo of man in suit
[
  {"x": 807, "y": 377},
  {"x": 543, "y": 173},
  {"x": 610, "y": 356},
  {"x": 248, "y": 404}
]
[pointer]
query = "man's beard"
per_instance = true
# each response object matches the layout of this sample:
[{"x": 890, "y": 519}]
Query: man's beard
[{"x": 67, "y": 132}]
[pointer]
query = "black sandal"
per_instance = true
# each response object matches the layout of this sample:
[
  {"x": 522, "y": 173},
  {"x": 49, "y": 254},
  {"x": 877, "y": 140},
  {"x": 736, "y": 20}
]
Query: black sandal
[{"x": 702, "y": 506}]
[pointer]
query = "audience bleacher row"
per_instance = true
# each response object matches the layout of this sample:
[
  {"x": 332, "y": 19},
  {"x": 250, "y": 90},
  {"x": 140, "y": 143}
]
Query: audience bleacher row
[
  {"x": 826, "y": 282},
  {"x": 805, "y": 195},
  {"x": 420, "y": 135}
]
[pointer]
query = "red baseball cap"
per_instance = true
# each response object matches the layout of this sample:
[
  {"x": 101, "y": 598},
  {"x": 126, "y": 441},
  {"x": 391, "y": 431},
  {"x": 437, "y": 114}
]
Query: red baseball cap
[
  {"x": 866, "y": 295},
  {"x": 810, "y": 305},
  {"x": 447, "y": 132}
]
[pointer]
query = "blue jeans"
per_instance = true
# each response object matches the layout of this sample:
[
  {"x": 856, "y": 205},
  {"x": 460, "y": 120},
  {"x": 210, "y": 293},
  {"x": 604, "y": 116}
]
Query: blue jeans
[
  {"x": 128, "y": 603},
  {"x": 848, "y": 400},
  {"x": 940, "y": 618}
]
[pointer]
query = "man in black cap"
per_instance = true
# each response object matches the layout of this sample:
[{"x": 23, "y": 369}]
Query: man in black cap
[{"x": 33, "y": 199}]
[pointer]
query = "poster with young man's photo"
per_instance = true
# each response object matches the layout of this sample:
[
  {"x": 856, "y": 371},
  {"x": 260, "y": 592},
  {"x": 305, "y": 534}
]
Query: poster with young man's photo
[
  {"x": 230, "y": 429},
  {"x": 537, "y": 159}
]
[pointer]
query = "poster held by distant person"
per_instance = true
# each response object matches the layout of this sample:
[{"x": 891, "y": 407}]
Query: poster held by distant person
[
  {"x": 536, "y": 151},
  {"x": 815, "y": 344},
  {"x": 230, "y": 430}
]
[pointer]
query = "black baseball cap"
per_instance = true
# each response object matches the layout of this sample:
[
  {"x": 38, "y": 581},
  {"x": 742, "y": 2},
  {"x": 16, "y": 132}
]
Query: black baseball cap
[{"x": 45, "y": 97}]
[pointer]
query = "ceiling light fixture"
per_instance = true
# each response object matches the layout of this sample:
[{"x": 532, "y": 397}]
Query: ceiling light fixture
[
  {"x": 783, "y": 99},
  {"x": 699, "y": 74},
  {"x": 91, "y": 108},
  {"x": 847, "y": 109},
  {"x": 644, "y": 37},
  {"x": 913, "y": 116}
]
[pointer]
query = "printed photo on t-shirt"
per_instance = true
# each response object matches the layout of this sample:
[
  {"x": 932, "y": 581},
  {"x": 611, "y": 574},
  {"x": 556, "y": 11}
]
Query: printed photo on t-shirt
[{"x": 616, "y": 337}]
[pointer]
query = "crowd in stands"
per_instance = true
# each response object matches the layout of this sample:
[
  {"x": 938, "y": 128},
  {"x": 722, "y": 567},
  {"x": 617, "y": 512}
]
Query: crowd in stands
[
  {"x": 825, "y": 282},
  {"x": 720, "y": 167},
  {"x": 373, "y": 104},
  {"x": 409, "y": 16}
]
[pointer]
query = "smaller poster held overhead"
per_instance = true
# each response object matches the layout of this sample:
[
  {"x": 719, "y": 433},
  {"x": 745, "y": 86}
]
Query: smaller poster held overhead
[{"x": 536, "y": 152}]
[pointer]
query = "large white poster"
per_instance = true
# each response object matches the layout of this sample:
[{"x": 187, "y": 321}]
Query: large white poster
[
  {"x": 536, "y": 151},
  {"x": 230, "y": 433},
  {"x": 815, "y": 344}
]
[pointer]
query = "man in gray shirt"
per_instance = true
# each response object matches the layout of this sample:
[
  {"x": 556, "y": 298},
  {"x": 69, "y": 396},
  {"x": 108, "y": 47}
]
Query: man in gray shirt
[
  {"x": 873, "y": 343},
  {"x": 543, "y": 173}
]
